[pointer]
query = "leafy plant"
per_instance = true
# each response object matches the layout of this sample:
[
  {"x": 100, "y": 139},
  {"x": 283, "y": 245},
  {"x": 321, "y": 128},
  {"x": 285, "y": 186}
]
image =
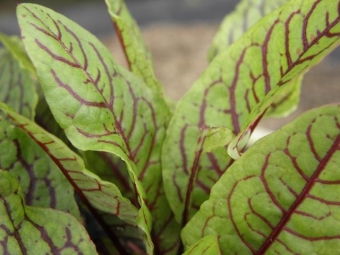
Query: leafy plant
[{"x": 133, "y": 174}]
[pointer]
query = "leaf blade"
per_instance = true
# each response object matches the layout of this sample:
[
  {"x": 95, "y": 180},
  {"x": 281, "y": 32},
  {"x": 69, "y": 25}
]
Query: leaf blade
[
  {"x": 102, "y": 195},
  {"x": 138, "y": 57},
  {"x": 101, "y": 198},
  {"x": 101, "y": 106},
  {"x": 17, "y": 88},
  {"x": 278, "y": 183},
  {"x": 42, "y": 183},
  {"x": 236, "y": 90},
  {"x": 28, "y": 230},
  {"x": 206, "y": 245},
  {"x": 245, "y": 15}
]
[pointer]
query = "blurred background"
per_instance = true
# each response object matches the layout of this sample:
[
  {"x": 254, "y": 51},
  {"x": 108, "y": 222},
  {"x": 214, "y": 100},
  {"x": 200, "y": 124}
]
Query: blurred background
[{"x": 178, "y": 34}]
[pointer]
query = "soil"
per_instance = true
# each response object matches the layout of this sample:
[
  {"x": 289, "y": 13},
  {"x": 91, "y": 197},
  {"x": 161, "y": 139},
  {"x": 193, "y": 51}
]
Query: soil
[{"x": 180, "y": 56}]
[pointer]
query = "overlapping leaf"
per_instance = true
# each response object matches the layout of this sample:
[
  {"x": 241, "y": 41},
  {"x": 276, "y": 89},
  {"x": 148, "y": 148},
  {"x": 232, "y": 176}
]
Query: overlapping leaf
[
  {"x": 32, "y": 230},
  {"x": 315, "y": 39},
  {"x": 20, "y": 80},
  {"x": 42, "y": 183},
  {"x": 237, "y": 88},
  {"x": 99, "y": 105},
  {"x": 138, "y": 57},
  {"x": 17, "y": 88},
  {"x": 247, "y": 13},
  {"x": 112, "y": 169},
  {"x": 282, "y": 195},
  {"x": 15, "y": 46},
  {"x": 235, "y": 24},
  {"x": 140, "y": 63},
  {"x": 99, "y": 196},
  {"x": 128, "y": 239}
]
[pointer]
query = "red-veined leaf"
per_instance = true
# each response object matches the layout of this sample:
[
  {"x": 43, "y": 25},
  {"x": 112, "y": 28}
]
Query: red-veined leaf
[{"x": 282, "y": 195}]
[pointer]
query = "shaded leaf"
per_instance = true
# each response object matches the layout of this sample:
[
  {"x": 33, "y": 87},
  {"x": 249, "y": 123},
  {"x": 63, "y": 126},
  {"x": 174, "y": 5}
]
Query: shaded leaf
[
  {"x": 129, "y": 238},
  {"x": 42, "y": 183},
  {"x": 111, "y": 168},
  {"x": 282, "y": 195},
  {"x": 15, "y": 46},
  {"x": 27, "y": 86},
  {"x": 102, "y": 198},
  {"x": 137, "y": 55},
  {"x": 236, "y": 90},
  {"x": 17, "y": 88},
  {"x": 207, "y": 245},
  {"x": 32, "y": 230}
]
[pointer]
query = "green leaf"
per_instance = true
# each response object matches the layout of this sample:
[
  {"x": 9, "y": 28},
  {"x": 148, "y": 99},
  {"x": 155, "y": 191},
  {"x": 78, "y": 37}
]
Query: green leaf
[
  {"x": 15, "y": 46},
  {"x": 101, "y": 106},
  {"x": 235, "y": 24},
  {"x": 287, "y": 100},
  {"x": 127, "y": 238},
  {"x": 17, "y": 88},
  {"x": 282, "y": 195},
  {"x": 32, "y": 230},
  {"x": 42, "y": 183},
  {"x": 138, "y": 57},
  {"x": 303, "y": 48},
  {"x": 165, "y": 233},
  {"x": 236, "y": 90},
  {"x": 111, "y": 168},
  {"x": 102, "y": 195},
  {"x": 206, "y": 245},
  {"x": 215, "y": 138}
]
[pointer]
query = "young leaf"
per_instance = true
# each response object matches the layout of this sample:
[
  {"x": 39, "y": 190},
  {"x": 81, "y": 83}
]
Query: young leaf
[
  {"x": 42, "y": 183},
  {"x": 17, "y": 88},
  {"x": 214, "y": 138},
  {"x": 138, "y": 57},
  {"x": 287, "y": 100},
  {"x": 205, "y": 246},
  {"x": 32, "y": 230},
  {"x": 232, "y": 93},
  {"x": 282, "y": 195}
]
